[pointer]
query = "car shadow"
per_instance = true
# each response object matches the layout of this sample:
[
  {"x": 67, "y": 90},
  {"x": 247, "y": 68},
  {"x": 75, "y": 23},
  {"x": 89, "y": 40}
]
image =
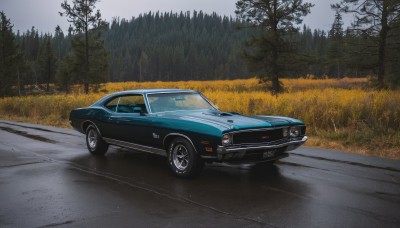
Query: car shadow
[{"x": 226, "y": 187}]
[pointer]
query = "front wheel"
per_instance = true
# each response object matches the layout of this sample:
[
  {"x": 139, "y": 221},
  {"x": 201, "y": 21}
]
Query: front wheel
[
  {"x": 95, "y": 144},
  {"x": 183, "y": 159}
]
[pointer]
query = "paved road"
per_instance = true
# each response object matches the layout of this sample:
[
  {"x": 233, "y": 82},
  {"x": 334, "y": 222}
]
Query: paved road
[{"x": 47, "y": 178}]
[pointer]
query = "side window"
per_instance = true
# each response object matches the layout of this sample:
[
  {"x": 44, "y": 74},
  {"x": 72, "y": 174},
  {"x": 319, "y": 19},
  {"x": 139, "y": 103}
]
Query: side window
[
  {"x": 127, "y": 104},
  {"x": 112, "y": 104}
]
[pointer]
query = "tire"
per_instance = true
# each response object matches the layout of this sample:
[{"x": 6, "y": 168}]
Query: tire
[
  {"x": 95, "y": 144},
  {"x": 183, "y": 160}
]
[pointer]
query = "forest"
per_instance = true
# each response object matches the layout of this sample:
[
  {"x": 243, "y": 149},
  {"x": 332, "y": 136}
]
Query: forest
[{"x": 186, "y": 46}]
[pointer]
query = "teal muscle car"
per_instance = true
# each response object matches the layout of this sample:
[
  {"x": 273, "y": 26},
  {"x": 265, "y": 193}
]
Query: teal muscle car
[{"x": 186, "y": 127}]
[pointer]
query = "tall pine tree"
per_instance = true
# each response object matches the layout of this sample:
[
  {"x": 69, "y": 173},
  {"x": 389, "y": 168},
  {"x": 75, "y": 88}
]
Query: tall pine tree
[
  {"x": 9, "y": 57},
  {"x": 335, "y": 48},
  {"x": 374, "y": 19},
  {"x": 47, "y": 62},
  {"x": 86, "y": 22},
  {"x": 270, "y": 51}
]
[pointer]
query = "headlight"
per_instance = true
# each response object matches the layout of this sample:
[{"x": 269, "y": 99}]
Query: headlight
[
  {"x": 285, "y": 132},
  {"x": 294, "y": 131},
  {"x": 226, "y": 139}
]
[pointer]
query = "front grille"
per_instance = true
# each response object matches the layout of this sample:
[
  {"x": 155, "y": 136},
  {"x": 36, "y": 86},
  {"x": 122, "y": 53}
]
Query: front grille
[{"x": 259, "y": 136}]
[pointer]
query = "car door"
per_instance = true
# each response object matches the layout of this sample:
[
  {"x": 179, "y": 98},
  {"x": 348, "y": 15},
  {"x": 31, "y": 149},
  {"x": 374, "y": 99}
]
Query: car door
[
  {"x": 108, "y": 124},
  {"x": 129, "y": 123}
]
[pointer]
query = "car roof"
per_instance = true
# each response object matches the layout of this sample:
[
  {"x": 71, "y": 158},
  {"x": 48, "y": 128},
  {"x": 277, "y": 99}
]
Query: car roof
[{"x": 143, "y": 92}]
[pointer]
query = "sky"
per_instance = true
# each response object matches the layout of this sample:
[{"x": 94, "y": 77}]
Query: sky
[{"x": 43, "y": 14}]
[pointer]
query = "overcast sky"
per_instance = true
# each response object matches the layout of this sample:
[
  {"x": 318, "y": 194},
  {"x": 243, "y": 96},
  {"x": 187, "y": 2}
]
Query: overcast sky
[{"x": 43, "y": 14}]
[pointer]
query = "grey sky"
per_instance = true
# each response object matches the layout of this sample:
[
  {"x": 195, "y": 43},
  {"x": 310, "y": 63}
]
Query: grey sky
[{"x": 43, "y": 14}]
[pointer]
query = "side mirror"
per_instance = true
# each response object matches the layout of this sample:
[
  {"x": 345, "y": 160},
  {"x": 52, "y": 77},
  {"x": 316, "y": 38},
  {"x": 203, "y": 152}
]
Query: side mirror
[{"x": 138, "y": 110}]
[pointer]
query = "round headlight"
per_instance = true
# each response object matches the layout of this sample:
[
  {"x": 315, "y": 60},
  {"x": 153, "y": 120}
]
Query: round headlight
[
  {"x": 226, "y": 139},
  {"x": 294, "y": 131}
]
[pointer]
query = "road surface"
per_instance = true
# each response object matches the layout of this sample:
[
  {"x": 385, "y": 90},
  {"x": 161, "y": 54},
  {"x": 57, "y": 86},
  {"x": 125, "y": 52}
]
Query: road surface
[{"x": 48, "y": 178}]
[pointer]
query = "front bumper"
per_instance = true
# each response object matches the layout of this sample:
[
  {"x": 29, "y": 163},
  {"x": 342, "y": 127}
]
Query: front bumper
[{"x": 258, "y": 151}]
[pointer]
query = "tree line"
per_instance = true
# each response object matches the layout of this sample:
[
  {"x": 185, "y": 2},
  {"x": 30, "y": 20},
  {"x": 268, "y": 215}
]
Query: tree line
[
  {"x": 372, "y": 40},
  {"x": 197, "y": 46}
]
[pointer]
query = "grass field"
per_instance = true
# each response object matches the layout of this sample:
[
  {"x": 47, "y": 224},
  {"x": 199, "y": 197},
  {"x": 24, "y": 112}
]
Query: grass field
[{"x": 339, "y": 114}]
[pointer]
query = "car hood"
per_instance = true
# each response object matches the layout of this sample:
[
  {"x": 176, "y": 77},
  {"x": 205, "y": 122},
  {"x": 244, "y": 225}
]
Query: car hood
[{"x": 231, "y": 121}]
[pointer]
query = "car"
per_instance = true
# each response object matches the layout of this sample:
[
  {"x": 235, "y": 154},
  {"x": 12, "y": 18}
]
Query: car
[{"x": 185, "y": 127}]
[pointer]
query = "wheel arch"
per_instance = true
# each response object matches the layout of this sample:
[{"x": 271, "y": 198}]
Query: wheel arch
[
  {"x": 171, "y": 136},
  {"x": 86, "y": 124}
]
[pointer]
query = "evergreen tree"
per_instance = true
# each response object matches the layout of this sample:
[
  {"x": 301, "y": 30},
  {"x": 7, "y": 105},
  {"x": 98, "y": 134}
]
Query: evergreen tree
[
  {"x": 271, "y": 49},
  {"x": 335, "y": 48},
  {"x": 9, "y": 57},
  {"x": 47, "y": 62},
  {"x": 374, "y": 19},
  {"x": 98, "y": 58},
  {"x": 393, "y": 56},
  {"x": 30, "y": 49},
  {"x": 58, "y": 42},
  {"x": 86, "y": 22},
  {"x": 66, "y": 74}
]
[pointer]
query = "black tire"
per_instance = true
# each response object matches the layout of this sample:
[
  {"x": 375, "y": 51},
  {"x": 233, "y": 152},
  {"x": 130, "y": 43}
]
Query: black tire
[
  {"x": 95, "y": 144},
  {"x": 183, "y": 160}
]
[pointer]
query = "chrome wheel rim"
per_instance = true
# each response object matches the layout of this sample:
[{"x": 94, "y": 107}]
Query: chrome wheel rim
[
  {"x": 180, "y": 157},
  {"x": 92, "y": 138}
]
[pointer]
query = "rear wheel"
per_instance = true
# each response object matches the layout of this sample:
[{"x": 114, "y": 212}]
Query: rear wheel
[
  {"x": 95, "y": 144},
  {"x": 183, "y": 159}
]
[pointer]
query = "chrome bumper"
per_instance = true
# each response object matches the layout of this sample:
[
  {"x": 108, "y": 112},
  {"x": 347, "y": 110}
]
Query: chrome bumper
[{"x": 235, "y": 152}]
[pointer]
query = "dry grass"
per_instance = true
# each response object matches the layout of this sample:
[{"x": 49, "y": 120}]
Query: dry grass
[
  {"x": 355, "y": 119},
  {"x": 239, "y": 85}
]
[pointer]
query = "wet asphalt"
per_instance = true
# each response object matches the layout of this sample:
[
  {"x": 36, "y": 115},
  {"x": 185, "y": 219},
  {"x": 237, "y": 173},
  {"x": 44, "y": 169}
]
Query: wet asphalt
[{"x": 49, "y": 179}]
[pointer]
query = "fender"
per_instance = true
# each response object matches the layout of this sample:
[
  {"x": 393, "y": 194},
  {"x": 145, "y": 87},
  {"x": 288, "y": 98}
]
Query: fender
[{"x": 181, "y": 135}]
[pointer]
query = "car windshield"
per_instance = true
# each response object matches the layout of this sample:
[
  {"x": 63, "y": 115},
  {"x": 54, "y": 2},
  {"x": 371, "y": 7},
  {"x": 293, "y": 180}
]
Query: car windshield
[{"x": 164, "y": 102}]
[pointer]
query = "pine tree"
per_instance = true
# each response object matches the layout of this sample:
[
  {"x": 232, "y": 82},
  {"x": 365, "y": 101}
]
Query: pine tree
[
  {"x": 58, "y": 41},
  {"x": 9, "y": 57},
  {"x": 335, "y": 48},
  {"x": 98, "y": 58},
  {"x": 47, "y": 62},
  {"x": 66, "y": 74},
  {"x": 375, "y": 20},
  {"x": 271, "y": 49},
  {"x": 87, "y": 22}
]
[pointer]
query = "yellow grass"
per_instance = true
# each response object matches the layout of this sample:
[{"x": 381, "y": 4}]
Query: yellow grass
[
  {"x": 354, "y": 119},
  {"x": 239, "y": 85}
]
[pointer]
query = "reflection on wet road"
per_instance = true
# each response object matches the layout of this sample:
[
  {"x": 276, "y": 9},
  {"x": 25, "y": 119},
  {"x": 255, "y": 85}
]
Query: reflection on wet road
[{"x": 47, "y": 178}]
